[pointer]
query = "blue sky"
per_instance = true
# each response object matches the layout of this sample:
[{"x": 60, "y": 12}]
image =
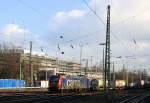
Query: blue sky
[
  {"x": 44, "y": 21},
  {"x": 37, "y": 18},
  {"x": 36, "y": 15}
]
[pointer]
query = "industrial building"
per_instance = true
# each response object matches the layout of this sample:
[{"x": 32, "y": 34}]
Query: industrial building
[{"x": 15, "y": 64}]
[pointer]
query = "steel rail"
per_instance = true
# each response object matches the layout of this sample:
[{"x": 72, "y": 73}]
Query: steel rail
[{"x": 135, "y": 99}]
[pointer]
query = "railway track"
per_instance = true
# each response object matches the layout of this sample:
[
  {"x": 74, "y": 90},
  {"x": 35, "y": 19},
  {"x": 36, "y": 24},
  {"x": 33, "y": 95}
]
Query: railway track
[
  {"x": 72, "y": 97},
  {"x": 133, "y": 99},
  {"x": 43, "y": 98}
]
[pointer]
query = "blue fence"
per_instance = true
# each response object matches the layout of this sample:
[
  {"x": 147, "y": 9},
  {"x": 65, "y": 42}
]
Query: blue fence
[{"x": 11, "y": 83}]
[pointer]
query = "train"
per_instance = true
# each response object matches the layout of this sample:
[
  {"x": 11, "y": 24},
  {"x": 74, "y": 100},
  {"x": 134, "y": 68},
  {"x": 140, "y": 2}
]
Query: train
[
  {"x": 68, "y": 83},
  {"x": 62, "y": 83}
]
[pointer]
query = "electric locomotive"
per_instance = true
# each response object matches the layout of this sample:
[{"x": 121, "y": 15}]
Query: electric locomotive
[{"x": 68, "y": 83}]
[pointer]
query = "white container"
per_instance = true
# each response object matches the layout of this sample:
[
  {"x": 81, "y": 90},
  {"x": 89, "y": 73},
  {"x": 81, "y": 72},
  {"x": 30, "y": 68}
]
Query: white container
[{"x": 44, "y": 84}]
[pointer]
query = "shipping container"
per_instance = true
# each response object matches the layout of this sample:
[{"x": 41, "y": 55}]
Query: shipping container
[
  {"x": 120, "y": 83},
  {"x": 12, "y": 83}
]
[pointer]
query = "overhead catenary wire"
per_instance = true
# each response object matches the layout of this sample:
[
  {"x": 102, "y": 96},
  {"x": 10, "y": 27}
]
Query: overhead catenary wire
[
  {"x": 90, "y": 34},
  {"x": 132, "y": 16},
  {"x": 115, "y": 37},
  {"x": 43, "y": 16},
  {"x": 39, "y": 13},
  {"x": 87, "y": 35},
  {"x": 80, "y": 37},
  {"x": 94, "y": 12},
  {"x": 32, "y": 8},
  {"x": 113, "y": 34}
]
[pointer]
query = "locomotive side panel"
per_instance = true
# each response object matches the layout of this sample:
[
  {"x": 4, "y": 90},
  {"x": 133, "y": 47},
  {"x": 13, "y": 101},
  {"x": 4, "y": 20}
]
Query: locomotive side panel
[
  {"x": 85, "y": 83},
  {"x": 68, "y": 83},
  {"x": 71, "y": 83}
]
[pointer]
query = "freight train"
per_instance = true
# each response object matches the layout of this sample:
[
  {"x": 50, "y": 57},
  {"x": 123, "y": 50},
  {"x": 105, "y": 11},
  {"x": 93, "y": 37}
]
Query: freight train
[{"x": 63, "y": 83}]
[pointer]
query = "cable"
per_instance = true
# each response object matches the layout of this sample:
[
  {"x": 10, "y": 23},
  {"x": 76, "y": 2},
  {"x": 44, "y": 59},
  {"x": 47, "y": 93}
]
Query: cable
[
  {"x": 94, "y": 12},
  {"x": 102, "y": 21},
  {"x": 115, "y": 37},
  {"x": 32, "y": 8},
  {"x": 130, "y": 17},
  {"x": 81, "y": 37},
  {"x": 84, "y": 36},
  {"x": 39, "y": 13}
]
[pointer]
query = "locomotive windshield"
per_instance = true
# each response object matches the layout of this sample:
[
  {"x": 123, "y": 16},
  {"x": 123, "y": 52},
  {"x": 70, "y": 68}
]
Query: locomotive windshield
[{"x": 54, "y": 78}]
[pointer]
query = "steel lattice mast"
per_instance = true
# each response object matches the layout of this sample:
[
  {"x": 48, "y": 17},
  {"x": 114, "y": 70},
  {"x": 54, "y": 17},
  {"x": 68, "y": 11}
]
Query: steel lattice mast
[{"x": 107, "y": 51}]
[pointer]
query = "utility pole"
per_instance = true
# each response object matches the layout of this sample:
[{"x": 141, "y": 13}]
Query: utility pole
[
  {"x": 127, "y": 78},
  {"x": 81, "y": 47},
  {"x": 46, "y": 67},
  {"x": 30, "y": 65},
  {"x": 103, "y": 59},
  {"x": 107, "y": 51},
  {"x": 145, "y": 76},
  {"x": 114, "y": 80},
  {"x": 86, "y": 68},
  {"x": 104, "y": 77},
  {"x": 123, "y": 71},
  {"x": 91, "y": 62},
  {"x": 20, "y": 67}
]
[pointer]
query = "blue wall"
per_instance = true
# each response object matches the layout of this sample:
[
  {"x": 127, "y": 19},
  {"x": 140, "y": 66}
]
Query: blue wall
[{"x": 11, "y": 83}]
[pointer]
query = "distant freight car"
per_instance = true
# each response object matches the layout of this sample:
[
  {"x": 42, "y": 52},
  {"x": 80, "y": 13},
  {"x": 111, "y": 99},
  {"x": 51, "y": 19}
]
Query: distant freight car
[
  {"x": 120, "y": 83},
  {"x": 69, "y": 83}
]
